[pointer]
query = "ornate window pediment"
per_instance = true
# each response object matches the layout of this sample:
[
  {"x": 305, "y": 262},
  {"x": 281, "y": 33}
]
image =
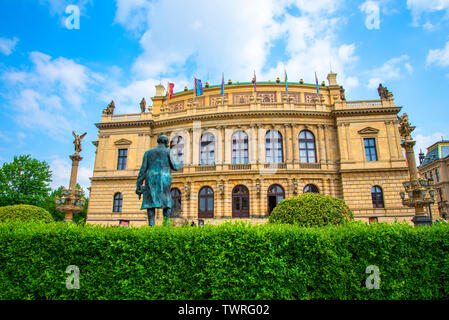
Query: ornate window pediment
[
  {"x": 123, "y": 142},
  {"x": 369, "y": 130}
]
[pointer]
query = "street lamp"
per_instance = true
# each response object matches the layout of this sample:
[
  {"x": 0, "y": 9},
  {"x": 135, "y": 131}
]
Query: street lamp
[{"x": 416, "y": 188}]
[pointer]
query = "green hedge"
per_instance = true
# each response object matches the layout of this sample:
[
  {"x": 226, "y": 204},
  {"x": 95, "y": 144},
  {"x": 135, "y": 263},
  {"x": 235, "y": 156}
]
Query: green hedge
[
  {"x": 311, "y": 210},
  {"x": 230, "y": 261},
  {"x": 24, "y": 212}
]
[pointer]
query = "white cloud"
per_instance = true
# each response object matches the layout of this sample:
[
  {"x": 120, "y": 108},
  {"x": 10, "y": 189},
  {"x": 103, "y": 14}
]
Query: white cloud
[
  {"x": 7, "y": 45},
  {"x": 439, "y": 57},
  {"x": 371, "y": 9},
  {"x": 48, "y": 94},
  {"x": 182, "y": 39},
  {"x": 423, "y": 7},
  {"x": 394, "y": 68}
]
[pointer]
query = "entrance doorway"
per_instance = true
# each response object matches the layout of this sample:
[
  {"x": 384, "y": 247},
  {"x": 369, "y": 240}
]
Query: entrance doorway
[{"x": 275, "y": 195}]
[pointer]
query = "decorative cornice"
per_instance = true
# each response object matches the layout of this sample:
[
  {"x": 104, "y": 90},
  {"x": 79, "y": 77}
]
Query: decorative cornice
[
  {"x": 123, "y": 142},
  {"x": 368, "y": 130},
  {"x": 365, "y": 111},
  {"x": 124, "y": 124}
]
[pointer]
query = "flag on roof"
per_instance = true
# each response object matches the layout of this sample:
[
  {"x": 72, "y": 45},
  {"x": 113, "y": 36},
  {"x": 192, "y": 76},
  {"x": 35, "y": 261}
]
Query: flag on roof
[
  {"x": 170, "y": 90},
  {"x": 286, "y": 83},
  {"x": 222, "y": 83},
  {"x": 317, "y": 86},
  {"x": 198, "y": 87},
  {"x": 255, "y": 82}
]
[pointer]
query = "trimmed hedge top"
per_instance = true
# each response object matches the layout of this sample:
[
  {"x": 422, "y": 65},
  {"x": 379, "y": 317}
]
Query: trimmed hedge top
[
  {"x": 229, "y": 261},
  {"x": 24, "y": 212},
  {"x": 311, "y": 209}
]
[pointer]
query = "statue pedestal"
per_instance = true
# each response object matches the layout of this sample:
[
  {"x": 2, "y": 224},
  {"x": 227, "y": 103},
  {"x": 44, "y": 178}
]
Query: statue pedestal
[{"x": 422, "y": 221}]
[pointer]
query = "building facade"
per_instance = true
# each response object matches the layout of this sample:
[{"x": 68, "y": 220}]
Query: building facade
[
  {"x": 244, "y": 151},
  {"x": 435, "y": 167}
]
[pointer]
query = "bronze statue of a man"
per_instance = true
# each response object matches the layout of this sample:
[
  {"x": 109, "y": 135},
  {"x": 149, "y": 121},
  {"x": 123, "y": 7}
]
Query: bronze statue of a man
[{"x": 156, "y": 171}]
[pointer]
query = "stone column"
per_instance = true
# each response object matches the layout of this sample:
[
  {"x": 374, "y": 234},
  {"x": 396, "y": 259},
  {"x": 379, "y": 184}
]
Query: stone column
[
  {"x": 295, "y": 143},
  {"x": 341, "y": 141},
  {"x": 285, "y": 143},
  {"x": 261, "y": 150},
  {"x": 190, "y": 146},
  {"x": 253, "y": 146},
  {"x": 139, "y": 151},
  {"x": 291, "y": 143},
  {"x": 348, "y": 141},
  {"x": 320, "y": 141},
  {"x": 105, "y": 151},
  {"x": 228, "y": 154},
  {"x": 325, "y": 134}
]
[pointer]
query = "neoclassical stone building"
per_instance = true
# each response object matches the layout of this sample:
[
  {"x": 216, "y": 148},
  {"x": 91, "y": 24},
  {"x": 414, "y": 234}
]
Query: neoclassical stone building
[{"x": 244, "y": 151}]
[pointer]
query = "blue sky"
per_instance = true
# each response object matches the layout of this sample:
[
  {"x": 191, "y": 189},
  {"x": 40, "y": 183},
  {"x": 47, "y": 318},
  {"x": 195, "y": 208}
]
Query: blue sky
[{"x": 54, "y": 80}]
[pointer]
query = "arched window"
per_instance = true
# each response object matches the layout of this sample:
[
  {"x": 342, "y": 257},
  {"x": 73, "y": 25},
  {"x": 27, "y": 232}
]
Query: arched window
[
  {"x": 273, "y": 147},
  {"x": 177, "y": 149},
  {"x": 206, "y": 203},
  {"x": 377, "y": 197},
  {"x": 311, "y": 188},
  {"x": 207, "y": 149},
  {"x": 307, "y": 151},
  {"x": 275, "y": 195},
  {"x": 118, "y": 202},
  {"x": 240, "y": 202},
  {"x": 239, "y": 147},
  {"x": 176, "y": 202}
]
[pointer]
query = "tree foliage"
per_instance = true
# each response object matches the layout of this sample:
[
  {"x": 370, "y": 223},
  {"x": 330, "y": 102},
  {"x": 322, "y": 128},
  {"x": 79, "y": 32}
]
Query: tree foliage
[
  {"x": 24, "y": 213},
  {"x": 24, "y": 181},
  {"x": 311, "y": 209}
]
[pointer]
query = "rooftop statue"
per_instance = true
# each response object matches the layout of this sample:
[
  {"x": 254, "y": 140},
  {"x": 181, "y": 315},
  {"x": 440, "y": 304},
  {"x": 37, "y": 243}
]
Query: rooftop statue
[
  {"x": 384, "y": 94},
  {"x": 110, "y": 109},
  {"x": 156, "y": 171},
  {"x": 77, "y": 141},
  {"x": 143, "y": 105}
]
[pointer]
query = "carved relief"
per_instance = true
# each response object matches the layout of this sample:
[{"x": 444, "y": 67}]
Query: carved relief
[
  {"x": 198, "y": 100},
  {"x": 241, "y": 97},
  {"x": 216, "y": 100},
  {"x": 292, "y": 95},
  {"x": 176, "y": 106},
  {"x": 267, "y": 97},
  {"x": 310, "y": 97}
]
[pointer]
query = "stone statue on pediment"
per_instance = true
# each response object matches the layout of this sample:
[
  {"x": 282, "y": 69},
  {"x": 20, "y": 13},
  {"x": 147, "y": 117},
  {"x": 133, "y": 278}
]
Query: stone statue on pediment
[
  {"x": 383, "y": 92},
  {"x": 342, "y": 93},
  {"x": 143, "y": 105},
  {"x": 110, "y": 109}
]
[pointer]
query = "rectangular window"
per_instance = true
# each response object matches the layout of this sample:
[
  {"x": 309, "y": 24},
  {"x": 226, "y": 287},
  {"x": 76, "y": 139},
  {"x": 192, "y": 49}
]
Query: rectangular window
[
  {"x": 437, "y": 175},
  {"x": 122, "y": 155},
  {"x": 370, "y": 149}
]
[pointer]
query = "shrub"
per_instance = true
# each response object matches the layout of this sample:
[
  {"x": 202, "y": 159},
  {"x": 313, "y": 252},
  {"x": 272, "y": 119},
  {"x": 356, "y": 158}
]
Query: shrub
[
  {"x": 228, "y": 262},
  {"x": 311, "y": 209},
  {"x": 24, "y": 212}
]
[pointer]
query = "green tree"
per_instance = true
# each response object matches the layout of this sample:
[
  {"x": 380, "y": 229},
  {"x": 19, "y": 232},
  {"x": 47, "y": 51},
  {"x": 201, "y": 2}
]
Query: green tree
[
  {"x": 49, "y": 204},
  {"x": 24, "y": 181}
]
